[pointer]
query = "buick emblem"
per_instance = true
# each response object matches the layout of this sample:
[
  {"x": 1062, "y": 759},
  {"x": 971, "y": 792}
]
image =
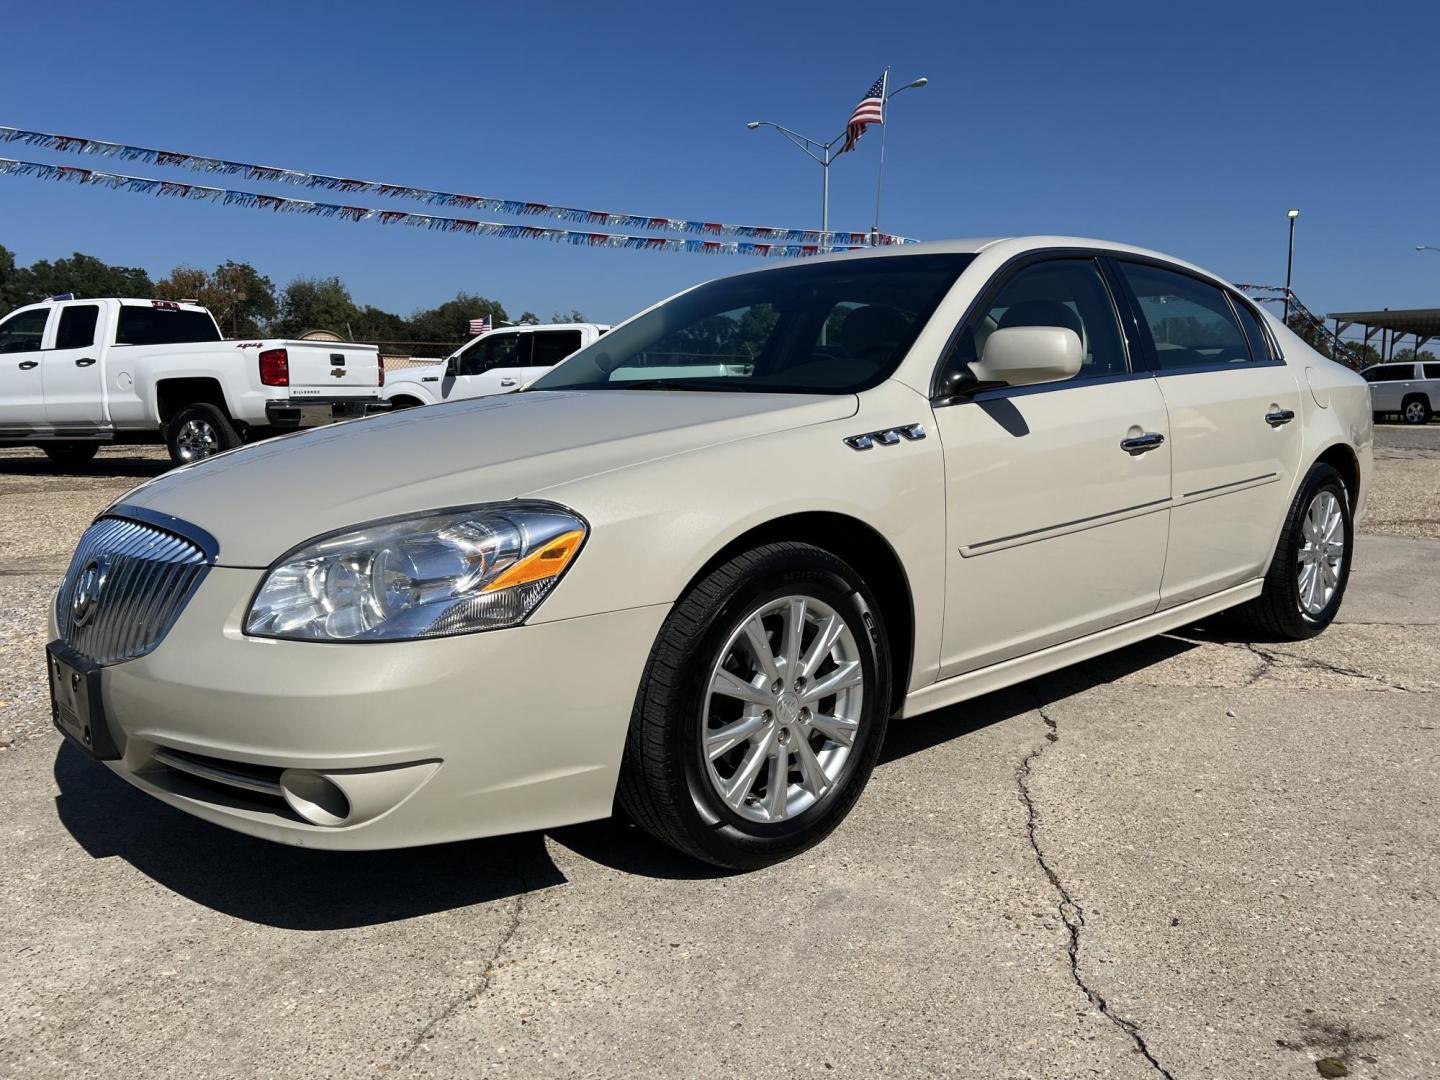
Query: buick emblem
[{"x": 87, "y": 593}]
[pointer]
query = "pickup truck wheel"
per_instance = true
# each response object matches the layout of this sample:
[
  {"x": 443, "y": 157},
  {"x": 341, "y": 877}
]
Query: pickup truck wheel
[
  {"x": 761, "y": 709},
  {"x": 71, "y": 454},
  {"x": 199, "y": 431},
  {"x": 1307, "y": 577}
]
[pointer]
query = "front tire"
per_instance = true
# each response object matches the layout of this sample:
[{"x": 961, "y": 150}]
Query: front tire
[
  {"x": 761, "y": 710},
  {"x": 71, "y": 455},
  {"x": 197, "y": 432},
  {"x": 1307, "y": 577}
]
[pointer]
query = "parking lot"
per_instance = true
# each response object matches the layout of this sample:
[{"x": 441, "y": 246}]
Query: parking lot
[{"x": 1197, "y": 857}]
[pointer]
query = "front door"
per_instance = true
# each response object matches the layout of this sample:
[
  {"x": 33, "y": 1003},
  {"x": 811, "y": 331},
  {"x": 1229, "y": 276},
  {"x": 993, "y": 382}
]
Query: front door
[
  {"x": 1234, "y": 427},
  {"x": 1055, "y": 529},
  {"x": 22, "y": 398},
  {"x": 71, "y": 369},
  {"x": 488, "y": 366}
]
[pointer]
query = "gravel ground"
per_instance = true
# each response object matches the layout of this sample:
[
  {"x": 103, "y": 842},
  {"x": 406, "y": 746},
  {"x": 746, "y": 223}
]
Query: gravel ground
[{"x": 1197, "y": 857}]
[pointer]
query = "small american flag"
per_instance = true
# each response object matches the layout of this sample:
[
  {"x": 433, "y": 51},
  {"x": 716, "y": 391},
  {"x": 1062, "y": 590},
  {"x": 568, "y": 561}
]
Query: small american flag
[
  {"x": 480, "y": 326},
  {"x": 871, "y": 110}
]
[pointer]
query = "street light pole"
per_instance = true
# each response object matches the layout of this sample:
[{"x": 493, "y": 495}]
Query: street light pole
[
  {"x": 824, "y": 159},
  {"x": 1290, "y": 264},
  {"x": 885, "y": 127},
  {"x": 1426, "y": 247}
]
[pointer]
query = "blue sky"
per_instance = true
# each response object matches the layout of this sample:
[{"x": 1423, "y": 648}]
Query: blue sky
[{"x": 1186, "y": 128}]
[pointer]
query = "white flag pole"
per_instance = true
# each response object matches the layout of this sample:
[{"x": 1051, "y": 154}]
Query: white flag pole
[{"x": 880, "y": 174}]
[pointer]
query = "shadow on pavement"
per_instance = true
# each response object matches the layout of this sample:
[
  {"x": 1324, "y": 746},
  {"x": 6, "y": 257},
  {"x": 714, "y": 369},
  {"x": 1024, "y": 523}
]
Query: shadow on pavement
[
  {"x": 117, "y": 466},
  {"x": 298, "y": 889},
  {"x": 290, "y": 888}
]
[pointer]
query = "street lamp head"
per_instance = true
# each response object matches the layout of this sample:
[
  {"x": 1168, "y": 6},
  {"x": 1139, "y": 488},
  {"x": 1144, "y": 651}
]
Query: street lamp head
[
  {"x": 1293, "y": 214},
  {"x": 753, "y": 124},
  {"x": 918, "y": 82}
]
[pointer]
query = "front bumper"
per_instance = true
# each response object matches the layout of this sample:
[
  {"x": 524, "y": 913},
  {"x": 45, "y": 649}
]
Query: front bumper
[
  {"x": 296, "y": 413},
  {"x": 437, "y": 740}
]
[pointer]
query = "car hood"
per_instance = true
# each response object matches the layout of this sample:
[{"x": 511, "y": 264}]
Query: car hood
[{"x": 262, "y": 500}]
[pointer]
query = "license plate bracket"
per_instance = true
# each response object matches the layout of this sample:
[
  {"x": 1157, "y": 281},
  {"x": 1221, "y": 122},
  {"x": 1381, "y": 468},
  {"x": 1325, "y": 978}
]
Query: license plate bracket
[{"x": 76, "y": 703}]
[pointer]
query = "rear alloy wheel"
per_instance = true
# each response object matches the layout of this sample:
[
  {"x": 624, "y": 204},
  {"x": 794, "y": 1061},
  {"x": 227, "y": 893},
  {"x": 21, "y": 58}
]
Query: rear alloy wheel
[
  {"x": 71, "y": 455},
  {"x": 1307, "y": 577},
  {"x": 197, "y": 432},
  {"x": 1416, "y": 411},
  {"x": 761, "y": 710}
]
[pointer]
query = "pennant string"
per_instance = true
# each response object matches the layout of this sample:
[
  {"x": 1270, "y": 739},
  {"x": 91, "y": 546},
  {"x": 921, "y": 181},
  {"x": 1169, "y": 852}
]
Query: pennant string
[
  {"x": 75, "y": 144},
  {"x": 282, "y": 204}
]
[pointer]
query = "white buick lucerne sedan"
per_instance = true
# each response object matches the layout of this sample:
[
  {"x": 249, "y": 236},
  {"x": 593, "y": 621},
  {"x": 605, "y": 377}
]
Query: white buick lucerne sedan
[{"x": 697, "y": 567}]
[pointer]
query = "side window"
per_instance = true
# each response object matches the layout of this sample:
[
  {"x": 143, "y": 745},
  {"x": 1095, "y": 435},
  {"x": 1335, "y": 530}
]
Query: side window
[
  {"x": 1432, "y": 371},
  {"x": 77, "y": 326},
  {"x": 1191, "y": 322},
  {"x": 1391, "y": 373},
  {"x": 508, "y": 350},
  {"x": 552, "y": 346},
  {"x": 1063, "y": 292},
  {"x": 22, "y": 332},
  {"x": 1254, "y": 333}
]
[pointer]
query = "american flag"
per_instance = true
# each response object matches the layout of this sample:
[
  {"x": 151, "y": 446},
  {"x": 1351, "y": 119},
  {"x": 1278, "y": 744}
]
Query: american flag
[
  {"x": 480, "y": 326},
  {"x": 871, "y": 110}
]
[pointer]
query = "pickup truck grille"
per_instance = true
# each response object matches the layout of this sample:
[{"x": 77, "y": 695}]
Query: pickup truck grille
[{"x": 126, "y": 586}]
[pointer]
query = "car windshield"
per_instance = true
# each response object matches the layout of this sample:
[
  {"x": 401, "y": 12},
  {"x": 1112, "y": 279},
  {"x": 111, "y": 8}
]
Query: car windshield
[{"x": 825, "y": 328}]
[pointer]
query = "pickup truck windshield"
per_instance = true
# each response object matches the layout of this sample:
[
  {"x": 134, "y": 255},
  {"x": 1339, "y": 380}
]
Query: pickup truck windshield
[
  {"x": 163, "y": 326},
  {"x": 826, "y": 328}
]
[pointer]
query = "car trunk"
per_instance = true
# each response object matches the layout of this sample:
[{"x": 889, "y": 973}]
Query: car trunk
[{"x": 331, "y": 369}]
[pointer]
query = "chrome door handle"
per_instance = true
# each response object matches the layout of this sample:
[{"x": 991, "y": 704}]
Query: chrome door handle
[
  {"x": 26, "y": 365},
  {"x": 507, "y": 382},
  {"x": 1279, "y": 417},
  {"x": 1139, "y": 444},
  {"x": 85, "y": 361}
]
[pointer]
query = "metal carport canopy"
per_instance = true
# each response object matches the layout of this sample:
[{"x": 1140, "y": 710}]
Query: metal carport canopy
[{"x": 1424, "y": 322}]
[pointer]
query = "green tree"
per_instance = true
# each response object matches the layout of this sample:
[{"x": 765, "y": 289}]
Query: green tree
[
  {"x": 571, "y": 316},
  {"x": 83, "y": 275},
  {"x": 315, "y": 304},
  {"x": 375, "y": 324},
  {"x": 451, "y": 320},
  {"x": 528, "y": 318},
  {"x": 1407, "y": 356}
]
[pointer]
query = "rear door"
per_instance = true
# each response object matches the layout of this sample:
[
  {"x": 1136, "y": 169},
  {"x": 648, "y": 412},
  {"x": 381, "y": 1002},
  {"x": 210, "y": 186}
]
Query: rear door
[
  {"x": 548, "y": 348},
  {"x": 22, "y": 399},
  {"x": 71, "y": 369},
  {"x": 1056, "y": 529},
  {"x": 1235, "y": 435}
]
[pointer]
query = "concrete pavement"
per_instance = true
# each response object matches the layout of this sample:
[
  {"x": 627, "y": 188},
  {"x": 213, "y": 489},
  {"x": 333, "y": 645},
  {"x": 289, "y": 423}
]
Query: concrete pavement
[{"x": 1199, "y": 857}]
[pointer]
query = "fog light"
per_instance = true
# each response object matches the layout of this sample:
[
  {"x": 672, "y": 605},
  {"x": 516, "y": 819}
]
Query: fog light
[{"x": 315, "y": 798}]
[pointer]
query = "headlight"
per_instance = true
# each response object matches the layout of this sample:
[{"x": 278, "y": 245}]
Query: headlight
[{"x": 452, "y": 572}]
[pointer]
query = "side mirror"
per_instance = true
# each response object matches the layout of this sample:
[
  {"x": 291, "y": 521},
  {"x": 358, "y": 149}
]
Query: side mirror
[
  {"x": 1029, "y": 355},
  {"x": 452, "y": 367}
]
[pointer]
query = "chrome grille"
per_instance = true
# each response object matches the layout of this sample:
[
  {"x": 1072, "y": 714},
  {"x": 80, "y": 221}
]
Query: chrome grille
[{"x": 134, "y": 579}]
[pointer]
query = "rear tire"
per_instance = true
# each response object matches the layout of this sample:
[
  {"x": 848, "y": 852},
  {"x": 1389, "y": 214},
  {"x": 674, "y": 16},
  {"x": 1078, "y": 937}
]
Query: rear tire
[
  {"x": 1298, "y": 603},
  {"x": 674, "y": 776},
  {"x": 1416, "y": 410},
  {"x": 71, "y": 455},
  {"x": 199, "y": 431}
]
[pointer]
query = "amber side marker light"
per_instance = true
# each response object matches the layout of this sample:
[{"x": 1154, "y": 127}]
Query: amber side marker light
[{"x": 547, "y": 562}]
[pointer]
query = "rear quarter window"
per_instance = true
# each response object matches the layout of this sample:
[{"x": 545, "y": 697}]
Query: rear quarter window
[
  {"x": 1432, "y": 371},
  {"x": 163, "y": 326}
]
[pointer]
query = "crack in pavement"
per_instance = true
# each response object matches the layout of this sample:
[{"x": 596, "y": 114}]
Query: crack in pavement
[
  {"x": 1071, "y": 913},
  {"x": 1272, "y": 658},
  {"x": 475, "y": 992}
]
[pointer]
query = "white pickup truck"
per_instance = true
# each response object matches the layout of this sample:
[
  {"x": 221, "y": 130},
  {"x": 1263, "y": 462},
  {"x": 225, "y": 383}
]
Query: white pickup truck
[
  {"x": 493, "y": 363},
  {"x": 77, "y": 374}
]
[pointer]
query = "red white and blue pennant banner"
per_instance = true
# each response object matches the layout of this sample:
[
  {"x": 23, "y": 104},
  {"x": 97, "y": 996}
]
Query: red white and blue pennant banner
[
  {"x": 256, "y": 200},
  {"x": 515, "y": 207}
]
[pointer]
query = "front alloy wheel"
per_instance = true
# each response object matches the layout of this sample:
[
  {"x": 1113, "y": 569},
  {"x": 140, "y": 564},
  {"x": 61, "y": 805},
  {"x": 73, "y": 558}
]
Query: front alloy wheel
[
  {"x": 786, "y": 699},
  {"x": 761, "y": 709}
]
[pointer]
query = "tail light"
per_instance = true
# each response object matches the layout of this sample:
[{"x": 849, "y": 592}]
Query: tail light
[
  {"x": 275, "y": 367},
  {"x": 382, "y": 370}
]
